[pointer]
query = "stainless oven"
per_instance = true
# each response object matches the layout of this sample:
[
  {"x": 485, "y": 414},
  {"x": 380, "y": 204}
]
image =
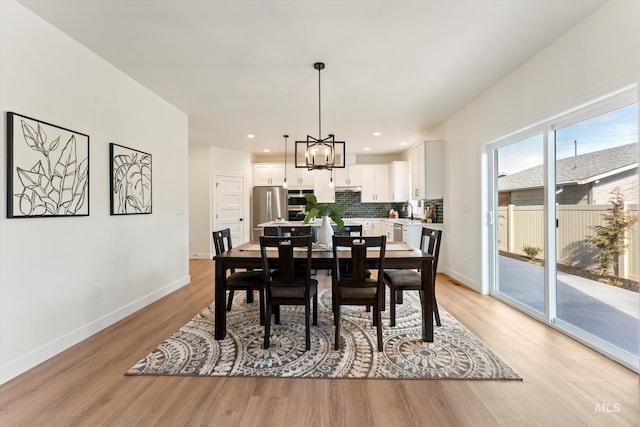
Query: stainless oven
[
  {"x": 295, "y": 214},
  {"x": 297, "y": 197},
  {"x": 296, "y": 201}
]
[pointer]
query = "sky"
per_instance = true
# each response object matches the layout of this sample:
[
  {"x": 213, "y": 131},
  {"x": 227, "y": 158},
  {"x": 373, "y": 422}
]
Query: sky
[{"x": 617, "y": 127}]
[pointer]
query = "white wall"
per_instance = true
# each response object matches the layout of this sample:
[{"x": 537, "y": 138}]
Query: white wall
[
  {"x": 235, "y": 163},
  {"x": 600, "y": 54},
  {"x": 200, "y": 242},
  {"x": 63, "y": 279},
  {"x": 205, "y": 163}
]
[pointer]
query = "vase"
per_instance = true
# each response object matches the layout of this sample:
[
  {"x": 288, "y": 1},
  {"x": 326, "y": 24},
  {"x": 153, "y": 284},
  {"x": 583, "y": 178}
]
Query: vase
[{"x": 325, "y": 232}]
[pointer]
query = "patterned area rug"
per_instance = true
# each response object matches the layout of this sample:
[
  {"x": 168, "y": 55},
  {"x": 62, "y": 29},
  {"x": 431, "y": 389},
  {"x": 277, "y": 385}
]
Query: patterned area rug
[{"x": 454, "y": 354}]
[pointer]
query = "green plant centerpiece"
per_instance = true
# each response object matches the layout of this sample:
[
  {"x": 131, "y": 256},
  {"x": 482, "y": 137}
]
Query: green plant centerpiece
[{"x": 313, "y": 209}]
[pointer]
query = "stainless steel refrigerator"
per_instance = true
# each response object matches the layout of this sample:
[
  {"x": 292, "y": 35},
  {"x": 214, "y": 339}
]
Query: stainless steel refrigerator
[{"x": 267, "y": 204}]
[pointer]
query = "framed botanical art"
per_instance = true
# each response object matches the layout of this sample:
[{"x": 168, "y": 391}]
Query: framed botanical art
[
  {"x": 130, "y": 177},
  {"x": 47, "y": 169}
]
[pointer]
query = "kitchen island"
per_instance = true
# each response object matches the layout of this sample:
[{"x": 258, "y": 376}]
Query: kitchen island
[
  {"x": 271, "y": 228},
  {"x": 315, "y": 223},
  {"x": 396, "y": 229}
]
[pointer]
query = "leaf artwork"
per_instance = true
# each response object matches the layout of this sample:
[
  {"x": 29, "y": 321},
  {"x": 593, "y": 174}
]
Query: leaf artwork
[
  {"x": 57, "y": 184},
  {"x": 131, "y": 181}
]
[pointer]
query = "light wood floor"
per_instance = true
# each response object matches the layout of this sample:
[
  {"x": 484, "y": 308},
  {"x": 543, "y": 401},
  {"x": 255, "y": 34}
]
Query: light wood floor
[{"x": 564, "y": 383}]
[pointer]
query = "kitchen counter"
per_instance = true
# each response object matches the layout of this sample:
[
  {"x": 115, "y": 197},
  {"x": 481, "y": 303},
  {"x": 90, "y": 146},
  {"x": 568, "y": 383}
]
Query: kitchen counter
[
  {"x": 316, "y": 223},
  {"x": 355, "y": 221},
  {"x": 415, "y": 222}
]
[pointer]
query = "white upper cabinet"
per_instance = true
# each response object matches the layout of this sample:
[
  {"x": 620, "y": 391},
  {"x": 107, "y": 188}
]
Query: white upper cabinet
[
  {"x": 299, "y": 177},
  {"x": 417, "y": 172},
  {"x": 349, "y": 176},
  {"x": 268, "y": 174},
  {"x": 376, "y": 185},
  {"x": 427, "y": 170},
  {"x": 399, "y": 175}
]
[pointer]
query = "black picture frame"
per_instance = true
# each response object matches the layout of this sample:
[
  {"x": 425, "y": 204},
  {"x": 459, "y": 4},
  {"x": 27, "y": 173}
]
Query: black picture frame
[
  {"x": 47, "y": 169},
  {"x": 130, "y": 175}
]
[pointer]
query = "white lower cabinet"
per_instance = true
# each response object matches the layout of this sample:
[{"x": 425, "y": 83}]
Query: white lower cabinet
[
  {"x": 372, "y": 227},
  {"x": 388, "y": 230}
]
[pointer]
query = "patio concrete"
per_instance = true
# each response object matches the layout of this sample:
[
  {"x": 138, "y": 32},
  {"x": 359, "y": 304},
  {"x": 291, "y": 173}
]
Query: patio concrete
[{"x": 607, "y": 312}]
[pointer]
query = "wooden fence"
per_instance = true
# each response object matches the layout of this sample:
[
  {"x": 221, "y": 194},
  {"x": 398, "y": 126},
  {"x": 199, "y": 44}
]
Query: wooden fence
[{"x": 524, "y": 225}]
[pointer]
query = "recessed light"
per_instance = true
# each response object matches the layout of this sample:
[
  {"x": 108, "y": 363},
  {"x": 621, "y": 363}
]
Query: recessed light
[
  {"x": 251, "y": 135},
  {"x": 377, "y": 134},
  {"x": 403, "y": 143},
  {"x": 266, "y": 150},
  {"x": 367, "y": 148}
]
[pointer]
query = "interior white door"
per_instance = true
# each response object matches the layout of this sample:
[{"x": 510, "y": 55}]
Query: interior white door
[{"x": 229, "y": 209}]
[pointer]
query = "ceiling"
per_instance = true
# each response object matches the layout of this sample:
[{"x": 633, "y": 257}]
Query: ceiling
[{"x": 246, "y": 67}]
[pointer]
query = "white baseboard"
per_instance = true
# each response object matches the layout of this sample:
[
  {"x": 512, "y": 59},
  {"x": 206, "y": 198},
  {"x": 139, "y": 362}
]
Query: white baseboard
[
  {"x": 467, "y": 281},
  {"x": 18, "y": 366},
  {"x": 200, "y": 255}
]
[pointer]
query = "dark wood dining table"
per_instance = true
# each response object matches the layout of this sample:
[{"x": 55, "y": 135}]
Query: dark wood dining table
[{"x": 397, "y": 256}]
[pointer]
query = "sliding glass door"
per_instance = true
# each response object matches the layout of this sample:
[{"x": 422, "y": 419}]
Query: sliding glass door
[
  {"x": 596, "y": 237},
  {"x": 520, "y": 220},
  {"x": 565, "y": 240}
]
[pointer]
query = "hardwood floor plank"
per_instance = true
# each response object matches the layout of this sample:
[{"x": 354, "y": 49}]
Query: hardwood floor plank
[{"x": 565, "y": 383}]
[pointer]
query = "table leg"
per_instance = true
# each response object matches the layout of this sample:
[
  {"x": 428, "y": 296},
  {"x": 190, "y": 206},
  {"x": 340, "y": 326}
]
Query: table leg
[
  {"x": 427, "y": 300},
  {"x": 219, "y": 297}
]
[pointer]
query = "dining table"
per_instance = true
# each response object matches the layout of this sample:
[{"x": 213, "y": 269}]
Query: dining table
[{"x": 397, "y": 256}]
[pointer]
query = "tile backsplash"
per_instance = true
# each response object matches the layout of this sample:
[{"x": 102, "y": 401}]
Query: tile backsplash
[
  {"x": 354, "y": 208},
  {"x": 439, "y": 208}
]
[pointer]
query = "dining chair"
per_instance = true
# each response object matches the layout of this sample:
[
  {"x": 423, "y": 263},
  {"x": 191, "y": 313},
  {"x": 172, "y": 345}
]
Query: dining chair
[
  {"x": 295, "y": 230},
  {"x": 357, "y": 288},
  {"x": 251, "y": 280},
  {"x": 404, "y": 280},
  {"x": 288, "y": 287},
  {"x": 349, "y": 230}
]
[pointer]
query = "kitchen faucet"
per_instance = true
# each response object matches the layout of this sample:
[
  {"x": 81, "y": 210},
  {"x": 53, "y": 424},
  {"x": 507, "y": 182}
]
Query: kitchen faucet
[{"x": 411, "y": 209}]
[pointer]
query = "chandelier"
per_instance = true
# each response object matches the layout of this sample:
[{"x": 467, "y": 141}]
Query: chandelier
[{"x": 320, "y": 153}]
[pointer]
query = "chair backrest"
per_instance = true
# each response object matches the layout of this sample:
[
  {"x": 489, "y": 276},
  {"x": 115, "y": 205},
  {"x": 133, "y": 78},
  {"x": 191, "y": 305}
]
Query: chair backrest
[
  {"x": 348, "y": 230},
  {"x": 358, "y": 257},
  {"x": 286, "y": 247},
  {"x": 434, "y": 238},
  {"x": 222, "y": 240}
]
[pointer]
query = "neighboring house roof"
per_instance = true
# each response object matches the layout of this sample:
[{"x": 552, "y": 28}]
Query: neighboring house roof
[{"x": 580, "y": 169}]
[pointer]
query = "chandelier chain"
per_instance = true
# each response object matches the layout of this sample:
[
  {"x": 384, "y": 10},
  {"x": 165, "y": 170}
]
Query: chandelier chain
[{"x": 319, "y": 107}]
